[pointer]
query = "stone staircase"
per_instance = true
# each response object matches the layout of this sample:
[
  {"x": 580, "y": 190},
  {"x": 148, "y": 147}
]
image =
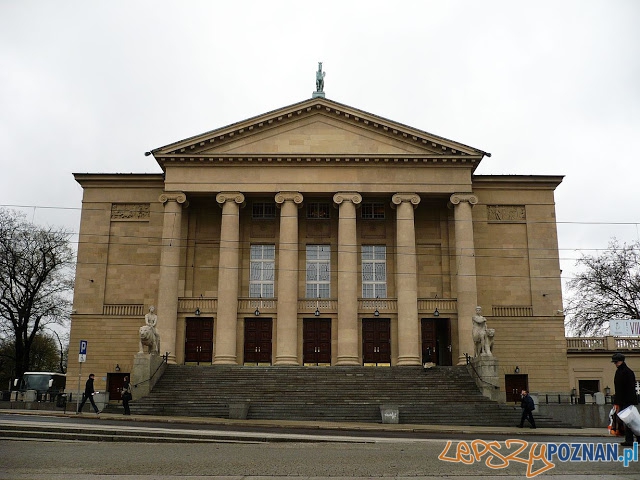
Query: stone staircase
[{"x": 438, "y": 396}]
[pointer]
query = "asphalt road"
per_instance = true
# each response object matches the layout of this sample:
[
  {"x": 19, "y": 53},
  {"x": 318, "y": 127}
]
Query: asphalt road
[{"x": 354, "y": 456}]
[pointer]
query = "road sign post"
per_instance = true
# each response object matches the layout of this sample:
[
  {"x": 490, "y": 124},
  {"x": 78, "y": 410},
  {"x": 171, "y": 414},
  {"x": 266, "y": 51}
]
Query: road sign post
[{"x": 82, "y": 357}]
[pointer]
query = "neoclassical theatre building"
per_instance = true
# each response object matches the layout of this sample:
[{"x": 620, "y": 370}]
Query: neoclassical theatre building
[{"x": 320, "y": 235}]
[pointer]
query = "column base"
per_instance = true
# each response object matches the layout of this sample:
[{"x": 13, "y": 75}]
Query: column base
[
  {"x": 225, "y": 360},
  {"x": 348, "y": 361},
  {"x": 462, "y": 360},
  {"x": 286, "y": 360},
  {"x": 408, "y": 361}
]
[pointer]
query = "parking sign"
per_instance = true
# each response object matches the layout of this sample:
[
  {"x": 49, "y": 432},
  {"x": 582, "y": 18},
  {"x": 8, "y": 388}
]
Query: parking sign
[{"x": 83, "y": 351}]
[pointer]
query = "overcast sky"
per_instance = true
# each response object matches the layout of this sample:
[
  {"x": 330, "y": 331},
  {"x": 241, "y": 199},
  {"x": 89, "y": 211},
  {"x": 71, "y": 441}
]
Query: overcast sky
[{"x": 547, "y": 87}]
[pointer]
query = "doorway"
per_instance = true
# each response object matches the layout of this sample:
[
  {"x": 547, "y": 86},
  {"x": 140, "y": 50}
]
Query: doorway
[
  {"x": 198, "y": 345},
  {"x": 257, "y": 341},
  {"x": 514, "y": 384},
  {"x": 587, "y": 387},
  {"x": 114, "y": 385},
  {"x": 436, "y": 341},
  {"x": 316, "y": 341},
  {"x": 376, "y": 341}
]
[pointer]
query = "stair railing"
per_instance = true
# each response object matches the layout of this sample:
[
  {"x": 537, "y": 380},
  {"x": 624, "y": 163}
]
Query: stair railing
[
  {"x": 477, "y": 375},
  {"x": 165, "y": 358}
]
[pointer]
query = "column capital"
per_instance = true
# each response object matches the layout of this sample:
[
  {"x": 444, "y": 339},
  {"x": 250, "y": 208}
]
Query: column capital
[
  {"x": 295, "y": 197},
  {"x": 353, "y": 197},
  {"x": 399, "y": 198},
  {"x": 224, "y": 197},
  {"x": 457, "y": 198},
  {"x": 178, "y": 197}
]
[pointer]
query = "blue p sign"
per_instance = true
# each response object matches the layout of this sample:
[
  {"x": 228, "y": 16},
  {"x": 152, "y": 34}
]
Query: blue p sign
[{"x": 83, "y": 347}]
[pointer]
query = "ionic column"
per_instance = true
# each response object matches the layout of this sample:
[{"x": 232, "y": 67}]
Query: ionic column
[
  {"x": 225, "y": 341},
  {"x": 347, "y": 278},
  {"x": 170, "y": 271},
  {"x": 287, "y": 326},
  {"x": 465, "y": 268},
  {"x": 406, "y": 279}
]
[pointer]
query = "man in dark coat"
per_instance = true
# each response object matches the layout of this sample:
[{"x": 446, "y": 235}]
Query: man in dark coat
[
  {"x": 88, "y": 395},
  {"x": 625, "y": 394},
  {"x": 528, "y": 406}
]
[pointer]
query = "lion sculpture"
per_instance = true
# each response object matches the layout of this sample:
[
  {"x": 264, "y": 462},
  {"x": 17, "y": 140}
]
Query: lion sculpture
[{"x": 148, "y": 339}]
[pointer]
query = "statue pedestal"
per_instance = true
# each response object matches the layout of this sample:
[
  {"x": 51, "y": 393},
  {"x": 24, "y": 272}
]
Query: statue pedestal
[
  {"x": 147, "y": 370},
  {"x": 484, "y": 369},
  {"x": 317, "y": 94}
]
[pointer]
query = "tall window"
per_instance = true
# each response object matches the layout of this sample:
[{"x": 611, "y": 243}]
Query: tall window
[
  {"x": 374, "y": 271},
  {"x": 318, "y": 271},
  {"x": 372, "y": 211},
  {"x": 263, "y": 259}
]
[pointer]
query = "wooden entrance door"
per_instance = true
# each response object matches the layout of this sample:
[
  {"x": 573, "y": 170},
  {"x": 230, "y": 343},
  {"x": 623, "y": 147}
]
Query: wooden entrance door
[
  {"x": 114, "y": 384},
  {"x": 514, "y": 384},
  {"x": 429, "y": 341},
  {"x": 376, "y": 341},
  {"x": 198, "y": 345},
  {"x": 436, "y": 341},
  {"x": 257, "y": 340},
  {"x": 316, "y": 343}
]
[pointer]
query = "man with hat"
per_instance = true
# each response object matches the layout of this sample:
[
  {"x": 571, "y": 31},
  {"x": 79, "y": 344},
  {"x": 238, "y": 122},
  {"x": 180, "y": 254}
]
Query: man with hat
[
  {"x": 625, "y": 394},
  {"x": 89, "y": 392}
]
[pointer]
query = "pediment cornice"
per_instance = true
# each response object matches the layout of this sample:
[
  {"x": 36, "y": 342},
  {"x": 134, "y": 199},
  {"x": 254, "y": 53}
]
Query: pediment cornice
[{"x": 209, "y": 147}]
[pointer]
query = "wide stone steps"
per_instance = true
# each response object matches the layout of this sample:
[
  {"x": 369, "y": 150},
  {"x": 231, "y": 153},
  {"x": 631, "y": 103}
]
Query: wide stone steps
[{"x": 440, "y": 395}]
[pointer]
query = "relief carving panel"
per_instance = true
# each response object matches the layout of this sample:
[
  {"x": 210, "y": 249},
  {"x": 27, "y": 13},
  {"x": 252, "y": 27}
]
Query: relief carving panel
[
  {"x": 506, "y": 213},
  {"x": 130, "y": 212}
]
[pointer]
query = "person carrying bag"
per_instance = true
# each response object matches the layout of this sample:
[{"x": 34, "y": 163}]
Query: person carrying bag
[{"x": 126, "y": 395}]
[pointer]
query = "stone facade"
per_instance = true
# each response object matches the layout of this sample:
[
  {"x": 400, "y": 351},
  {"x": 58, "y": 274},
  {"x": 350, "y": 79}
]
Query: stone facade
[{"x": 387, "y": 226}]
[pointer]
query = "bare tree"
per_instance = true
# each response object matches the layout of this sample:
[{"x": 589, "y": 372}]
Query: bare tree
[
  {"x": 36, "y": 280},
  {"x": 607, "y": 288}
]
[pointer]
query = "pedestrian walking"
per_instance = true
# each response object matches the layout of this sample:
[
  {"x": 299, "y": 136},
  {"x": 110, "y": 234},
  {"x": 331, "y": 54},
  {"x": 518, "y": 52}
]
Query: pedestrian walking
[
  {"x": 625, "y": 394},
  {"x": 528, "y": 406},
  {"x": 126, "y": 395},
  {"x": 88, "y": 394}
]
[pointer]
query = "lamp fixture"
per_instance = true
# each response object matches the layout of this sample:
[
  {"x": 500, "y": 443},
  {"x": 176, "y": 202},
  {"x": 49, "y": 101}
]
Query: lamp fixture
[
  {"x": 517, "y": 369},
  {"x": 436, "y": 313},
  {"x": 607, "y": 391},
  {"x": 257, "y": 311},
  {"x": 117, "y": 367},
  {"x": 376, "y": 313},
  {"x": 197, "y": 312},
  {"x": 317, "y": 312}
]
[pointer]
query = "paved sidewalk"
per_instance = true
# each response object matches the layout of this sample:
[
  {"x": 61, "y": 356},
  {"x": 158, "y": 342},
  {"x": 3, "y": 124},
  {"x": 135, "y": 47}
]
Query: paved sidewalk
[{"x": 328, "y": 426}]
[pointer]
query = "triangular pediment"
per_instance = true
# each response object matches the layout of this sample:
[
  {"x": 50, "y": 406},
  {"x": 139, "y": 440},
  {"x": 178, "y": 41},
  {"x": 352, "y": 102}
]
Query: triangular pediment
[{"x": 316, "y": 127}]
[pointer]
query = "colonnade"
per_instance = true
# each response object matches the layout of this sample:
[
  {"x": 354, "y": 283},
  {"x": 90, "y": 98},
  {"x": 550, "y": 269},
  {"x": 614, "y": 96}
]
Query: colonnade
[{"x": 348, "y": 276}]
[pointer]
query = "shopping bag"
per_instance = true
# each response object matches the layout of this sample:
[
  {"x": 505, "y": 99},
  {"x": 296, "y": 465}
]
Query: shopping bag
[
  {"x": 631, "y": 418},
  {"x": 616, "y": 426}
]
